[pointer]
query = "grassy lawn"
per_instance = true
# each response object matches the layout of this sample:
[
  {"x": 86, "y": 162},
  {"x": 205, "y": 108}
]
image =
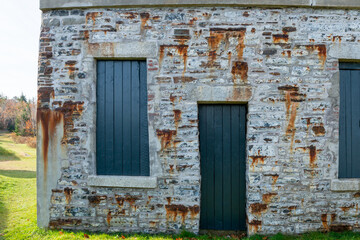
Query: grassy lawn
[{"x": 18, "y": 204}]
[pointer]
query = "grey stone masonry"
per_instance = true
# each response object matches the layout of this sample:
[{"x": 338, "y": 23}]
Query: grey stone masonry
[{"x": 282, "y": 63}]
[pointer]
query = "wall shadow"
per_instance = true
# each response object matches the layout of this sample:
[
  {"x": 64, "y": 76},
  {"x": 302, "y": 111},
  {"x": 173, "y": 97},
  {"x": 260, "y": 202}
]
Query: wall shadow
[
  {"x": 7, "y": 155},
  {"x": 18, "y": 173}
]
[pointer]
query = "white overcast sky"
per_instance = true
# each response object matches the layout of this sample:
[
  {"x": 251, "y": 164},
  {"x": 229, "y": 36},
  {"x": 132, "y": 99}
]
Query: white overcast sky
[{"x": 19, "y": 43}]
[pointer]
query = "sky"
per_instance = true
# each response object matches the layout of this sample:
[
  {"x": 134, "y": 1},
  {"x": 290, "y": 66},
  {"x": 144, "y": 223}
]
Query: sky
[{"x": 19, "y": 45}]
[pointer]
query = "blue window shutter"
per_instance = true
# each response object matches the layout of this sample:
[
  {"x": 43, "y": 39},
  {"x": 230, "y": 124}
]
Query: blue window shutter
[{"x": 122, "y": 143}]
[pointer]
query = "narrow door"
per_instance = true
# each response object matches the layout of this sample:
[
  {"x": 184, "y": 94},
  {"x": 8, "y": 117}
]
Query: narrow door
[{"x": 222, "y": 160}]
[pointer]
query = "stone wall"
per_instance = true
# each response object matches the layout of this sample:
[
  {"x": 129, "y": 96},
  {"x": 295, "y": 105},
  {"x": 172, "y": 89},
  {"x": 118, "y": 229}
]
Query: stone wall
[{"x": 282, "y": 62}]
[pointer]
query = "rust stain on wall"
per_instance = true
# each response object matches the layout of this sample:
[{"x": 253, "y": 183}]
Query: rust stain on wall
[
  {"x": 333, "y": 217},
  {"x": 258, "y": 208},
  {"x": 166, "y": 137},
  {"x": 68, "y": 194},
  {"x": 336, "y": 38},
  {"x": 144, "y": 18},
  {"x": 92, "y": 16},
  {"x": 177, "y": 117},
  {"x": 45, "y": 94},
  {"x": 95, "y": 200},
  {"x": 312, "y": 156},
  {"x": 319, "y": 130},
  {"x": 254, "y": 226},
  {"x": 280, "y": 38},
  {"x": 321, "y": 49},
  {"x": 267, "y": 197},
  {"x": 127, "y": 198},
  {"x": 174, "y": 210},
  {"x": 60, "y": 223},
  {"x": 324, "y": 222},
  {"x": 48, "y": 120},
  {"x": 194, "y": 210},
  {"x": 239, "y": 69},
  {"x": 256, "y": 160},
  {"x": 347, "y": 208},
  {"x": 181, "y": 50},
  {"x": 108, "y": 217},
  {"x": 292, "y": 101},
  {"x": 219, "y": 35}
]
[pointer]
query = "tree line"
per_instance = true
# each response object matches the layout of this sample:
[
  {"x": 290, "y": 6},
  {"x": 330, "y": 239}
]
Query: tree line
[{"x": 18, "y": 115}]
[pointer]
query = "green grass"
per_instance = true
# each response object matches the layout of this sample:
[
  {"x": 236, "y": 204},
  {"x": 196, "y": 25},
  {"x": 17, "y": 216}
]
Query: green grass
[{"x": 18, "y": 205}]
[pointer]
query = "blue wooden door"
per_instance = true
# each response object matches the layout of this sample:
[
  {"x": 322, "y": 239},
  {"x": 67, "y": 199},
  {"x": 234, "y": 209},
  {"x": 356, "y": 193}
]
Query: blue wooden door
[
  {"x": 122, "y": 145},
  {"x": 222, "y": 159},
  {"x": 349, "y": 131}
]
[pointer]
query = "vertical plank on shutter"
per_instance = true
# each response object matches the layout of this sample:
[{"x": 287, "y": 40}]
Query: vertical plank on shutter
[
  {"x": 226, "y": 151},
  {"x": 235, "y": 167},
  {"x": 109, "y": 110},
  {"x": 127, "y": 105},
  {"x": 100, "y": 118},
  {"x": 348, "y": 123},
  {"x": 355, "y": 129},
  {"x": 211, "y": 161},
  {"x": 218, "y": 166},
  {"x": 135, "y": 118},
  {"x": 342, "y": 125},
  {"x": 144, "y": 132},
  {"x": 204, "y": 169},
  {"x": 118, "y": 117},
  {"x": 242, "y": 163}
]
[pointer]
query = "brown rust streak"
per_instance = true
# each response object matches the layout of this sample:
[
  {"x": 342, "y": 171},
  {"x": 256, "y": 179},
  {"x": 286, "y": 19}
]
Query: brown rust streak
[
  {"x": 280, "y": 38},
  {"x": 324, "y": 222},
  {"x": 194, "y": 210},
  {"x": 275, "y": 178},
  {"x": 292, "y": 100},
  {"x": 219, "y": 35},
  {"x": 255, "y": 225},
  {"x": 312, "y": 155},
  {"x": 336, "y": 38},
  {"x": 240, "y": 68},
  {"x": 256, "y": 160},
  {"x": 258, "y": 208},
  {"x": 108, "y": 217},
  {"x": 45, "y": 94},
  {"x": 92, "y": 16},
  {"x": 95, "y": 200},
  {"x": 267, "y": 197},
  {"x": 68, "y": 194},
  {"x": 167, "y": 137},
  {"x": 181, "y": 50},
  {"x": 175, "y": 209},
  {"x": 144, "y": 18},
  {"x": 127, "y": 198},
  {"x": 321, "y": 49},
  {"x": 319, "y": 130},
  {"x": 48, "y": 120},
  {"x": 333, "y": 217},
  {"x": 59, "y": 223},
  {"x": 347, "y": 208}
]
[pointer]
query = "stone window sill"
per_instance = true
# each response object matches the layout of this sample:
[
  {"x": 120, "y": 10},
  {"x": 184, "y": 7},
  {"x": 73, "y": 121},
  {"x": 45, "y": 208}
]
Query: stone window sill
[
  {"x": 345, "y": 185},
  {"x": 123, "y": 181}
]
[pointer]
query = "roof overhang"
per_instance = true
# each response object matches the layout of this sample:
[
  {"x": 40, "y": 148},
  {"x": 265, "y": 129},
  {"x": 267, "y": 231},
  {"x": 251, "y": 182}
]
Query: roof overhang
[{"x": 68, "y": 4}]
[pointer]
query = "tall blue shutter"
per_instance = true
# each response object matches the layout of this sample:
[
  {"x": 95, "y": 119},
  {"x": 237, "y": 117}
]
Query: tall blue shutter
[
  {"x": 122, "y": 145},
  {"x": 349, "y": 128}
]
